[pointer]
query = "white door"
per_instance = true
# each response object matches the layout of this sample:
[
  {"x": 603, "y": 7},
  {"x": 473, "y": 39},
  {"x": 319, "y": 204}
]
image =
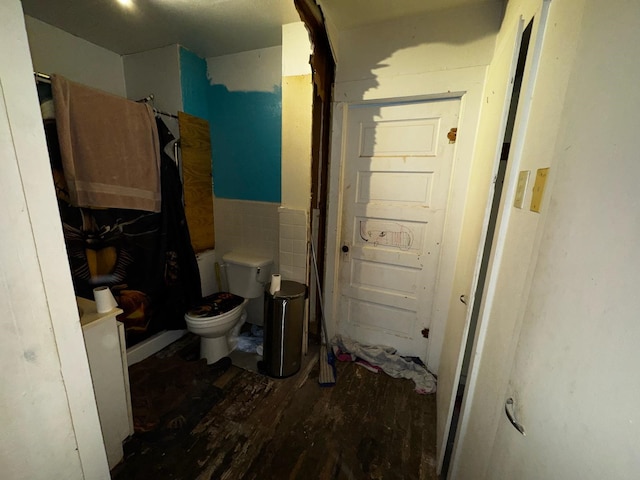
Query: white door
[{"x": 396, "y": 174}]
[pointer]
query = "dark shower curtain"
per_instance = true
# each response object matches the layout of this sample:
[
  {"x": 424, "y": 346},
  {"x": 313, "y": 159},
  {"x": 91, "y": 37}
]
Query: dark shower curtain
[{"x": 145, "y": 258}]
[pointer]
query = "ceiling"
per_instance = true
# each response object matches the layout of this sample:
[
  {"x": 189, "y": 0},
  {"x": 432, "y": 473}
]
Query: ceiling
[{"x": 208, "y": 27}]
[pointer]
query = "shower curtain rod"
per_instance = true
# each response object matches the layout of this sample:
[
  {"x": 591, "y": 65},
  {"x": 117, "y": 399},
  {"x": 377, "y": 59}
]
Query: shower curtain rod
[
  {"x": 150, "y": 98},
  {"x": 47, "y": 78},
  {"x": 42, "y": 76}
]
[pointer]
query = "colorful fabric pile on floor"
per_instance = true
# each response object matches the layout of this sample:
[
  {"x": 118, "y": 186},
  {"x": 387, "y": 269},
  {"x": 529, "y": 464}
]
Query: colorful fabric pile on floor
[{"x": 382, "y": 358}]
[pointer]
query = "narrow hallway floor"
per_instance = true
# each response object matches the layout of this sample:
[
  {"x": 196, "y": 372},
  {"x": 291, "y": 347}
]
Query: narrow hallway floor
[{"x": 367, "y": 426}]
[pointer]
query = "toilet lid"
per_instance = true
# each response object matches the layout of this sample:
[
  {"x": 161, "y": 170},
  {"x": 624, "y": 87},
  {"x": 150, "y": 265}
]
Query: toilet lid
[{"x": 214, "y": 305}]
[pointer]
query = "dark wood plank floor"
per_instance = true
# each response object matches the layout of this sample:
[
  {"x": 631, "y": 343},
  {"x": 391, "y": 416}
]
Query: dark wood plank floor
[{"x": 367, "y": 426}]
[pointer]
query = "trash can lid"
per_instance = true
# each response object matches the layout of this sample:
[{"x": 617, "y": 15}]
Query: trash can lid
[{"x": 289, "y": 289}]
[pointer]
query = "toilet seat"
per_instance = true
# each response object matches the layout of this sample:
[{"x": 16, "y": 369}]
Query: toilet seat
[{"x": 217, "y": 307}]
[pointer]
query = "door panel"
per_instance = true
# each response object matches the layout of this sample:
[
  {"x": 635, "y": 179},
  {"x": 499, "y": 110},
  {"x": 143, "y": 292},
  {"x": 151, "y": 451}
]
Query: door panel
[{"x": 397, "y": 168}]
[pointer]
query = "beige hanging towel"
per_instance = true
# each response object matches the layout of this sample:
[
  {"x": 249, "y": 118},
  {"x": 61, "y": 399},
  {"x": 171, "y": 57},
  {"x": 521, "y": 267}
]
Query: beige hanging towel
[{"x": 109, "y": 147}]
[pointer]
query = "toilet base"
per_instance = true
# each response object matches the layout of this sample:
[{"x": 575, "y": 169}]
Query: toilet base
[{"x": 213, "y": 349}]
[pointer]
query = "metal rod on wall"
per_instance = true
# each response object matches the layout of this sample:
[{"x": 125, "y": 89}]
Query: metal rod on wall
[
  {"x": 149, "y": 99},
  {"x": 42, "y": 76},
  {"x": 47, "y": 78}
]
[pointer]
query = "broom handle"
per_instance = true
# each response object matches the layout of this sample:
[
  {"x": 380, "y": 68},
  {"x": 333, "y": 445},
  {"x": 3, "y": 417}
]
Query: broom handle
[{"x": 315, "y": 269}]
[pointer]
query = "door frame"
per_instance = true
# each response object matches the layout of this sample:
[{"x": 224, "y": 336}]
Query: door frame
[
  {"x": 464, "y": 84},
  {"x": 473, "y": 301}
]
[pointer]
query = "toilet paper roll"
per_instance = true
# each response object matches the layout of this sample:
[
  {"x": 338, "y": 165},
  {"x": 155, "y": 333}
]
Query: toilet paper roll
[
  {"x": 104, "y": 299},
  {"x": 275, "y": 283}
]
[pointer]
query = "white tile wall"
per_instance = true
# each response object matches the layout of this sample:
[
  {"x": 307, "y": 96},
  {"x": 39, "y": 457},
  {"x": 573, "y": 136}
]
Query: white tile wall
[
  {"x": 293, "y": 244},
  {"x": 266, "y": 229},
  {"x": 248, "y": 227}
]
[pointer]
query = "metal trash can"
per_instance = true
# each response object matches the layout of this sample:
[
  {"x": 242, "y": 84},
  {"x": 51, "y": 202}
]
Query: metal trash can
[{"x": 283, "y": 325}]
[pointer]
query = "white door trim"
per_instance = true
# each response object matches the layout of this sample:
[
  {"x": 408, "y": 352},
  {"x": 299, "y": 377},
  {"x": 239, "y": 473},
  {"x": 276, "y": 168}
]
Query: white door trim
[
  {"x": 481, "y": 245},
  {"x": 483, "y": 236}
]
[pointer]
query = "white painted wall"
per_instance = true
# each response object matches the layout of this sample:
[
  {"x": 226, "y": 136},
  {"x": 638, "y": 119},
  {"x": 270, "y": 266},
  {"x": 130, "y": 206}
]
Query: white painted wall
[
  {"x": 297, "y": 115},
  {"x": 435, "y": 55},
  {"x": 446, "y": 40},
  {"x": 253, "y": 71},
  {"x": 56, "y": 51},
  {"x": 297, "y": 103},
  {"x": 568, "y": 276},
  {"x": 50, "y": 426},
  {"x": 156, "y": 72},
  {"x": 296, "y": 50},
  {"x": 575, "y": 372},
  {"x": 332, "y": 30}
]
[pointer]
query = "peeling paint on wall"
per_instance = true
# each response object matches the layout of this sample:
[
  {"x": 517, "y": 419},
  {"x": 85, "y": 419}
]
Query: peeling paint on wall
[{"x": 246, "y": 127}]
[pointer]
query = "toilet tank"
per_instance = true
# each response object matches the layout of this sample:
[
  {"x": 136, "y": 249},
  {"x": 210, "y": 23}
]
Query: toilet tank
[{"x": 247, "y": 274}]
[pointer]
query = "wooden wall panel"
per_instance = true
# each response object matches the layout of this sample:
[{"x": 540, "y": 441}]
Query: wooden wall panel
[{"x": 195, "y": 144}]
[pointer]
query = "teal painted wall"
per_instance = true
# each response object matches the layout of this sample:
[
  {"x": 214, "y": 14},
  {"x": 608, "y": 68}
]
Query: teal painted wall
[
  {"x": 194, "y": 84},
  {"x": 246, "y": 138},
  {"x": 246, "y": 133}
]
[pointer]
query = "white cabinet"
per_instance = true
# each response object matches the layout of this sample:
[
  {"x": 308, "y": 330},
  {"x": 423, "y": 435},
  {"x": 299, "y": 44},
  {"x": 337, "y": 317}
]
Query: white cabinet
[{"x": 104, "y": 341}]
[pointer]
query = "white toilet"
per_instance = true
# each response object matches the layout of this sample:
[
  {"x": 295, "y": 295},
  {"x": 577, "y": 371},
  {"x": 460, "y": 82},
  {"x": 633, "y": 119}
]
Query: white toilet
[{"x": 220, "y": 315}]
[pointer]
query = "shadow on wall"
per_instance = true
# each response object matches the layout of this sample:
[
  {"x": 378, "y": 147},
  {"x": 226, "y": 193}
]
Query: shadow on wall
[
  {"x": 387, "y": 61},
  {"x": 445, "y": 40}
]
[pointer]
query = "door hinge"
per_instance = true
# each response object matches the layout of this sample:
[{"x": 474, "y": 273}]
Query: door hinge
[{"x": 453, "y": 133}]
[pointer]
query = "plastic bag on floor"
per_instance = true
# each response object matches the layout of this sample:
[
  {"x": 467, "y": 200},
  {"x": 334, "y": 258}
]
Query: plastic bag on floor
[{"x": 249, "y": 341}]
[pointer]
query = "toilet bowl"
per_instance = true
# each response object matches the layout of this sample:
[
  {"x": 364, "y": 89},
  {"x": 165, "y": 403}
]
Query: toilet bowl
[
  {"x": 215, "y": 324},
  {"x": 217, "y": 318}
]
